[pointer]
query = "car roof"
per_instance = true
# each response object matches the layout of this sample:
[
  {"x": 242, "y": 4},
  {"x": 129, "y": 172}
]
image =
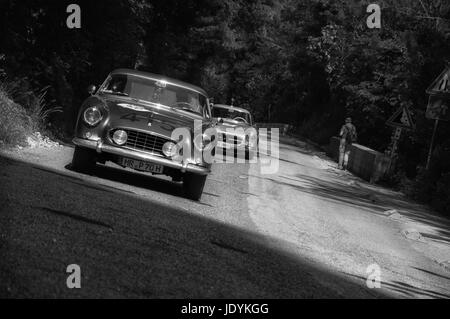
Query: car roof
[
  {"x": 229, "y": 107},
  {"x": 159, "y": 77}
]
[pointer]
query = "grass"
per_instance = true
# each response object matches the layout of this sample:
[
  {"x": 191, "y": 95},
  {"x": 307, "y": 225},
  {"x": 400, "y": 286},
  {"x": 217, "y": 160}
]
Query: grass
[{"x": 18, "y": 122}]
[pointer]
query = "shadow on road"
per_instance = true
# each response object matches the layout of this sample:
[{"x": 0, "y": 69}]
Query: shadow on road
[
  {"x": 133, "y": 178},
  {"x": 369, "y": 198},
  {"x": 130, "y": 246},
  {"x": 409, "y": 290}
]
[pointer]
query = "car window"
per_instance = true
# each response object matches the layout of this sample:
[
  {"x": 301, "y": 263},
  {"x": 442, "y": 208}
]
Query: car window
[
  {"x": 139, "y": 90},
  {"x": 157, "y": 92},
  {"x": 230, "y": 114}
]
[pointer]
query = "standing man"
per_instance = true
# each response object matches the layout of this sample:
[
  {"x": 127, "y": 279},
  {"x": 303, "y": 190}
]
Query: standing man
[{"x": 348, "y": 136}]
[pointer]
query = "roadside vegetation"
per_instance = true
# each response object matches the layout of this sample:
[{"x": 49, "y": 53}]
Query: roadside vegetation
[
  {"x": 22, "y": 123},
  {"x": 306, "y": 63},
  {"x": 16, "y": 125}
]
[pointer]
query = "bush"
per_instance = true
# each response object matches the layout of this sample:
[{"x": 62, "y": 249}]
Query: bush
[
  {"x": 423, "y": 186},
  {"x": 441, "y": 198},
  {"x": 432, "y": 187},
  {"x": 317, "y": 130},
  {"x": 15, "y": 123},
  {"x": 19, "y": 121}
]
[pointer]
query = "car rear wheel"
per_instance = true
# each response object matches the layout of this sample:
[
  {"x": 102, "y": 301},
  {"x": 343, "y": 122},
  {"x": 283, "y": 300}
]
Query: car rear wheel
[
  {"x": 193, "y": 185},
  {"x": 83, "y": 159}
]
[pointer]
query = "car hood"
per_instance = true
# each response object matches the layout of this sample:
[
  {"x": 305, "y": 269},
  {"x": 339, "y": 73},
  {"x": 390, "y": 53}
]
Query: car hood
[{"x": 153, "y": 118}]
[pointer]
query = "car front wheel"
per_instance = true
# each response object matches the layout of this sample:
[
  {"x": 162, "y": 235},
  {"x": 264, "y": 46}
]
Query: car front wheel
[
  {"x": 193, "y": 185},
  {"x": 83, "y": 159}
]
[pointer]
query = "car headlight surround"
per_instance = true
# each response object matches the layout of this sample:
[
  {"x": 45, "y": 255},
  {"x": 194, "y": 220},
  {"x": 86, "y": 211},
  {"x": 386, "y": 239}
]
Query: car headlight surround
[
  {"x": 120, "y": 137},
  {"x": 251, "y": 139},
  {"x": 92, "y": 116},
  {"x": 201, "y": 142},
  {"x": 170, "y": 149}
]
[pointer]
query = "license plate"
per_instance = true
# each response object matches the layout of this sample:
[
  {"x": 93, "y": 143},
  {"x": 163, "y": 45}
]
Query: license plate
[
  {"x": 142, "y": 166},
  {"x": 223, "y": 145}
]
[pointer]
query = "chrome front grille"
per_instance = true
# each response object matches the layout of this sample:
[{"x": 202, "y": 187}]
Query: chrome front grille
[
  {"x": 231, "y": 140},
  {"x": 144, "y": 141}
]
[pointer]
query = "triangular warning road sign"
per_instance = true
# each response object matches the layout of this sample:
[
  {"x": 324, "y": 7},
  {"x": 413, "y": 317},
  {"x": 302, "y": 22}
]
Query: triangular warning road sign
[
  {"x": 441, "y": 85},
  {"x": 402, "y": 118}
]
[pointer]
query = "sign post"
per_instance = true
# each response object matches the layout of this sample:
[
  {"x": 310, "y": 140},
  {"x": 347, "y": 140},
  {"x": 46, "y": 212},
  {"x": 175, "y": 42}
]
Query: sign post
[
  {"x": 438, "y": 108},
  {"x": 430, "y": 152},
  {"x": 395, "y": 140},
  {"x": 400, "y": 120}
]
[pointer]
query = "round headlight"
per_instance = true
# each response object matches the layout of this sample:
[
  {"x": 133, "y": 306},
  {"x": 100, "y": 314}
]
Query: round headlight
[
  {"x": 170, "y": 149},
  {"x": 92, "y": 116},
  {"x": 120, "y": 137}
]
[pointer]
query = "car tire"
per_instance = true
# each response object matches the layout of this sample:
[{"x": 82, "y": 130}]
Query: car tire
[
  {"x": 83, "y": 159},
  {"x": 193, "y": 185}
]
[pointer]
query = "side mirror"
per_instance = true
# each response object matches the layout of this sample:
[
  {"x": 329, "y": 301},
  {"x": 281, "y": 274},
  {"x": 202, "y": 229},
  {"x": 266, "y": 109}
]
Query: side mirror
[
  {"x": 92, "y": 89},
  {"x": 220, "y": 120}
]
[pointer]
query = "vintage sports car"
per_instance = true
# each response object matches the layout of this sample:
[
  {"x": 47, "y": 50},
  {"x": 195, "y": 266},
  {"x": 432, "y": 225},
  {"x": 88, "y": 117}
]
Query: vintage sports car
[
  {"x": 129, "y": 121},
  {"x": 235, "y": 131}
]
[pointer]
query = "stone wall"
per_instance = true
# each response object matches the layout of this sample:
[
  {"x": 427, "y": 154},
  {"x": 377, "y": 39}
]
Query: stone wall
[{"x": 364, "y": 162}]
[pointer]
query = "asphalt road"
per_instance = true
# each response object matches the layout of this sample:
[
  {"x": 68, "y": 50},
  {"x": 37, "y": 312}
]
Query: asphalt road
[{"x": 308, "y": 231}]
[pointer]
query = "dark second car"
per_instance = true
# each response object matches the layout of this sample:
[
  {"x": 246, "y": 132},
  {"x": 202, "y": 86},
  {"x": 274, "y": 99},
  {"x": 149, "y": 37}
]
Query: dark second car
[{"x": 130, "y": 119}]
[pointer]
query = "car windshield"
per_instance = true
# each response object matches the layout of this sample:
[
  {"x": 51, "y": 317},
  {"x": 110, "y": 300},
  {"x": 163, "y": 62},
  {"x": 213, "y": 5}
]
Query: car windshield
[
  {"x": 159, "y": 92},
  {"x": 232, "y": 114}
]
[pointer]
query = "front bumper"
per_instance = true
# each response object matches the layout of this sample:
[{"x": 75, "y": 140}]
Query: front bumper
[
  {"x": 239, "y": 148},
  {"x": 100, "y": 148}
]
